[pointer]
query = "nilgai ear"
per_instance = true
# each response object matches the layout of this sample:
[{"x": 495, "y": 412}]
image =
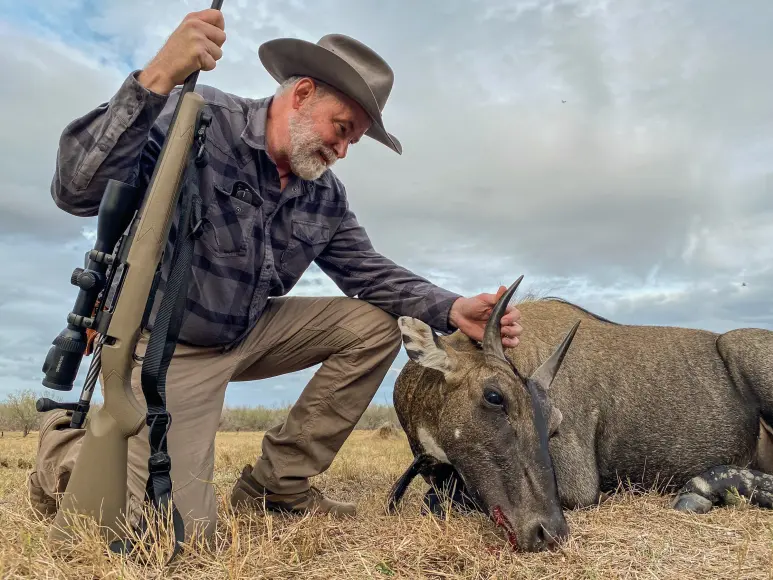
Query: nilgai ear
[
  {"x": 422, "y": 345},
  {"x": 544, "y": 375}
]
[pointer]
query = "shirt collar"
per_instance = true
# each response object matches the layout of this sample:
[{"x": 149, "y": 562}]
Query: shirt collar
[{"x": 254, "y": 134}]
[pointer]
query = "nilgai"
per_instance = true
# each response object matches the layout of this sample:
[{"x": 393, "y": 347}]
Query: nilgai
[{"x": 581, "y": 404}]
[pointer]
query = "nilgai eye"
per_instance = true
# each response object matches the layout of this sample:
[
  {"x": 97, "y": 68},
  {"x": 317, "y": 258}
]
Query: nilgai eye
[{"x": 493, "y": 397}]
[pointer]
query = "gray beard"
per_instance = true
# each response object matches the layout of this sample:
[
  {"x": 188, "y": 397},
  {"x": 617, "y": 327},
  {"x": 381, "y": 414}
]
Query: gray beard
[{"x": 304, "y": 145}]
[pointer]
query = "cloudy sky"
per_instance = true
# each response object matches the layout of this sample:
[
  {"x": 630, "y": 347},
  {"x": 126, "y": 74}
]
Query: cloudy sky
[{"x": 646, "y": 196}]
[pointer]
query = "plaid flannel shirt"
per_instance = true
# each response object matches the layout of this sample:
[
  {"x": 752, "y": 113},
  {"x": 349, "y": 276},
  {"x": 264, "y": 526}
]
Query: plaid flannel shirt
[{"x": 257, "y": 239}]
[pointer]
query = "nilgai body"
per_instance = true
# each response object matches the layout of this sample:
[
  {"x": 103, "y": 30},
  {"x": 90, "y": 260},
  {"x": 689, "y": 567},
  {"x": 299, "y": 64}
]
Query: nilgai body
[{"x": 581, "y": 405}]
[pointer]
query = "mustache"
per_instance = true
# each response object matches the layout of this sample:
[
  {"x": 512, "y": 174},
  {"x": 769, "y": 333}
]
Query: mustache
[{"x": 329, "y": 155}]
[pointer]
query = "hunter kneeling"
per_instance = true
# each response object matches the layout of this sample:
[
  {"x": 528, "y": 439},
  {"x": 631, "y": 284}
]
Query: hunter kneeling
[{"x": 270, "y": 207}]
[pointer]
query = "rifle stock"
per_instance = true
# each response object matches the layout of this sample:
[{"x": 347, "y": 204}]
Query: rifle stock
[{"x": 98, "y": 483}]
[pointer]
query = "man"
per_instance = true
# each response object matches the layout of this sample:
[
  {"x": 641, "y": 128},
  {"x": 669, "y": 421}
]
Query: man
[{"x": 271, "y": 206}]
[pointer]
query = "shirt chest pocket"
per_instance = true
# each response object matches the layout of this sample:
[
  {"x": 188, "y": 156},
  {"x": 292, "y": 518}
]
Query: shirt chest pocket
[
  {"x": 229, "y": 220},
  {"x": 307, "y": 240}
]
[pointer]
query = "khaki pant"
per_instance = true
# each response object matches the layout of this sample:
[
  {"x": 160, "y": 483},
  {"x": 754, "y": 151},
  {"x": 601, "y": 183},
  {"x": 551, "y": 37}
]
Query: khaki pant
[{"x": 356, "y": 344}]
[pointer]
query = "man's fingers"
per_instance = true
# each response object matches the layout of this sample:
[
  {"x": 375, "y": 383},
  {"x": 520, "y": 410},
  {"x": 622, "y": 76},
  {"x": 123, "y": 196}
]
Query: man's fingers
[
  {"x": 214, "y": 50},
  {"x": 213, "y": 33},
  {"x": 512, "y": 330},
  {"x": 489, "y": 299},
  {"x": 492, "y": 299},
  {"x": 208, "y": 54},
  {"x": 210, "y": 15},
  {"x": 207, "y": 63},
  {"x": 512, "y": 316},
  {"x": 510, "y": 342}
]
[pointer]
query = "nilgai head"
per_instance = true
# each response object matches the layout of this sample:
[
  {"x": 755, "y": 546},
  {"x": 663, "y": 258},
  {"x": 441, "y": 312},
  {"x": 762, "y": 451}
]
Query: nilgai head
[{"x": 493, "y": 425}]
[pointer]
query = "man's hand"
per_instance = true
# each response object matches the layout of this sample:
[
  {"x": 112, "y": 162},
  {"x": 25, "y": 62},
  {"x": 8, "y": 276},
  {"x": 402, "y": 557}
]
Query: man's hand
[
  {"x": 470, "y": 315},
  {"x": 193, "y": 46}
]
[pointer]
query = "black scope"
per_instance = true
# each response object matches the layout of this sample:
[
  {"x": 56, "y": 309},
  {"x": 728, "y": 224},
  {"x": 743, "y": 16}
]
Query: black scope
[{"x": 116, "y": 210}]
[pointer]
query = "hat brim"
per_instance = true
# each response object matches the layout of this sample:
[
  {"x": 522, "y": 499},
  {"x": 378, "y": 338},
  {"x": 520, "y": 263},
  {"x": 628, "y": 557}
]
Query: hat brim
[{"x": 287, "y": 57}]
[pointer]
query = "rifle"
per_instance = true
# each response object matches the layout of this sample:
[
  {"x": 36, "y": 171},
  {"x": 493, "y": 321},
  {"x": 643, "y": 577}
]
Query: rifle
[{"x": 117, "y": 288}]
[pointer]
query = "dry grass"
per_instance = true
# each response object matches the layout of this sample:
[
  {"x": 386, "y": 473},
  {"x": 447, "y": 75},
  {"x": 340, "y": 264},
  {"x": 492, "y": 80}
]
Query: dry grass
[{"x": 628, "y": 537}]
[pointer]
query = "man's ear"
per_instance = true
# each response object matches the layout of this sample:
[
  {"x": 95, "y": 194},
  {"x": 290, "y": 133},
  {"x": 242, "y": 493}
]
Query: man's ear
[
  {"x": 422, "y": 345},
  {"x": 302, "y": 92}
]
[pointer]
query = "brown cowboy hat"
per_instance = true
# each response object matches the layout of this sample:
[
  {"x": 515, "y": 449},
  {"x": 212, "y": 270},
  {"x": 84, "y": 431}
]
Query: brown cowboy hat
[{"x": 343, "y": 63}]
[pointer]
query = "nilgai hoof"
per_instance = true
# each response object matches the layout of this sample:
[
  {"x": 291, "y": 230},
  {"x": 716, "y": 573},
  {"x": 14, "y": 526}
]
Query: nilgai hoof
[{"x": 692, "y": 503}]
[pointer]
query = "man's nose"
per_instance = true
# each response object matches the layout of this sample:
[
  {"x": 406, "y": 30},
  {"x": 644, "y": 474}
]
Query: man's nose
[{"x": 341, "y": 148}]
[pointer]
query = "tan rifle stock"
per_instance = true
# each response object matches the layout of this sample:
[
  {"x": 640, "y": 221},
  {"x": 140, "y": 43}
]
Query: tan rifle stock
[{"x": 97, "y": 485}]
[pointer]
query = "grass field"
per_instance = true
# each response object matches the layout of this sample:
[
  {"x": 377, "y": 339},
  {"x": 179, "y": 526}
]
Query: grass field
[{"x": 631, "y": 536}]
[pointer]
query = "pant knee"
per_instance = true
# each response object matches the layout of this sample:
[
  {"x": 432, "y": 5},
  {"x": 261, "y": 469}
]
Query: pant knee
[
  {"x": 58, "y": 449},
  {"x": 382, "y": 330}
]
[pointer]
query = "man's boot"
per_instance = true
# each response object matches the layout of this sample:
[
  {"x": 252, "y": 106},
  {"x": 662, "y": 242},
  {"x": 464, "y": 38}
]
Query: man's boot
[{"x": 250, "y": 494}]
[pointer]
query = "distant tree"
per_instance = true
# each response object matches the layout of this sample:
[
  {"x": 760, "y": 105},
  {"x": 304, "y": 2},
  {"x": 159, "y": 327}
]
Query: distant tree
[{"x": 22, "y": 411}]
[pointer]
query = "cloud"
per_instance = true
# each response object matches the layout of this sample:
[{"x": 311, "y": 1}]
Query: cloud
[
  {"x": 47, "y": 85},
  {"x": 647, "y": 196},
  {"x": 651, "y": 174}
]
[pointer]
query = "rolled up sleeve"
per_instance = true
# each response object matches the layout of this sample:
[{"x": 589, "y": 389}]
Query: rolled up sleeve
[{"x": 105, "y": 143}]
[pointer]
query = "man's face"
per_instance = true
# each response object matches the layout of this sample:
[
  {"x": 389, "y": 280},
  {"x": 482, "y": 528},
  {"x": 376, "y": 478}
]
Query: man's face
[{"x": 321, "y": 130}]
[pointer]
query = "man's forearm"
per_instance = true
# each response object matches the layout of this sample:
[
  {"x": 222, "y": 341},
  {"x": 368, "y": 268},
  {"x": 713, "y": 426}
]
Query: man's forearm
[
  {"x": 106, "y": 143},
  {"x": 394, "y": 289},
  {"x": 359, "y": 270}
]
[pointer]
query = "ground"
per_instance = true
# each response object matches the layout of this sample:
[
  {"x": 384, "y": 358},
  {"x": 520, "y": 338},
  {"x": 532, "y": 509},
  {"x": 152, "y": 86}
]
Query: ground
[{"x": 631, "y": 536}]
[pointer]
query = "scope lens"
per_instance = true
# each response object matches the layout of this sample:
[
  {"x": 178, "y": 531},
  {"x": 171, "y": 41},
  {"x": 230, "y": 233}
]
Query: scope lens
[{"x": 61, "y": 368}]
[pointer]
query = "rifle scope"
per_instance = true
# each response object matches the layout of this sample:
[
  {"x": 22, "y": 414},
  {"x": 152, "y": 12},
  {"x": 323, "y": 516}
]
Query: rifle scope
[{"x": 116, "y": 209}]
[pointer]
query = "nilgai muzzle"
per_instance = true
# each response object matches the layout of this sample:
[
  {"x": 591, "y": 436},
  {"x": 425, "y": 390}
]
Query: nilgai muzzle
[{"x": 522, "y": 434}]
